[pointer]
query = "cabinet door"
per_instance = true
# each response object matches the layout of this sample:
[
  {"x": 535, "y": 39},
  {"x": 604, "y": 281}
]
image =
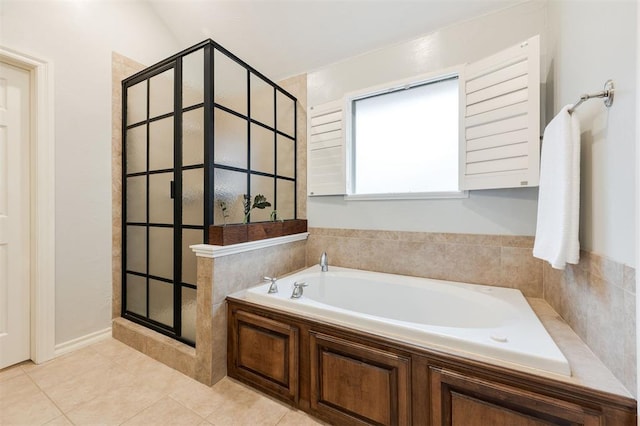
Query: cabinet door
[
  {"x": 355, "y": 384},
  {"x": 462, "y": 400},
  {"x": 264, "y": 352}
]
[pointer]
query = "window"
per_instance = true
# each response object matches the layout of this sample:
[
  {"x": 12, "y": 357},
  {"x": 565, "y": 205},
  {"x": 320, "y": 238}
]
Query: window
[
  {"x": 404, "y": 140},
  {"x": 476, "y": 129}
]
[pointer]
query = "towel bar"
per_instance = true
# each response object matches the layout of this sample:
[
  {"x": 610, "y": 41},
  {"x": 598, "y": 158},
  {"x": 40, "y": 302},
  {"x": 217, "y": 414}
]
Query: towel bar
[{"x": 607, "y": 94}]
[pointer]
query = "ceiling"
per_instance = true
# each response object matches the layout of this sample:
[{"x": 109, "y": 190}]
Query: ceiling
[{"x": 288, "y": 37}]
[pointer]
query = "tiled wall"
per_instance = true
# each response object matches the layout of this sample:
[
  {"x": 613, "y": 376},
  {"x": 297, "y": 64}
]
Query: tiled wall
[
  {"x": 503, "y": 261},
  {"x": 238, "y": 272},
  {"x": 597, "y": 299}
]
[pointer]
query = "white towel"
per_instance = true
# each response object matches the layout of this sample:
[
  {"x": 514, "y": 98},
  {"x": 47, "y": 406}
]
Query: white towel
[{"x": 559, "y": 193}]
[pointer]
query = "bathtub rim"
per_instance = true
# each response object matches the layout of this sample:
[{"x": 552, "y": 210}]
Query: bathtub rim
[{"x": 469, "y": 349}]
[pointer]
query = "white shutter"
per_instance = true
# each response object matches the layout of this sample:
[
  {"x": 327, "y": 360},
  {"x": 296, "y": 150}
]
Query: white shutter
[
  {"x": 326, "y": 155},
  {"x": 500, "y": 141}
]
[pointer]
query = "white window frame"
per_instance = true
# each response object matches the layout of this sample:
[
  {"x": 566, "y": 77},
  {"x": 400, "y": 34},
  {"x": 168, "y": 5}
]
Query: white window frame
[{"x": 406, "y": 83}]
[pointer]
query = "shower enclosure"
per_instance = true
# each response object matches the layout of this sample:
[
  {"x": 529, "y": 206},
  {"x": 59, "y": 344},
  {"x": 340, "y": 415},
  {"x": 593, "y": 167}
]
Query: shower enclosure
[{"x": 202, "y": 130}]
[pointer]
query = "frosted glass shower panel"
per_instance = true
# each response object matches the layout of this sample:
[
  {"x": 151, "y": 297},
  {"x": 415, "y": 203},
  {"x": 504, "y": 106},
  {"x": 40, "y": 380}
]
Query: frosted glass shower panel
[
  {"x": 136, "y": 149},
  {"x": 193, "y": 79},
  {"x": 262, "y": 101},
  {"x": 161, "y": 94},
  {"x": 160, "y": 201},
  {"x": 137, "y": 199},
  {"x": 161, "y": 144},
  {"x": 189, "y": 260},
  {"x": 286, "y": 157},
  {"x": 161, "y": 252},
  {"x": 189, "y": 313},
  {"x": 262, "y": 149},
  {"x": 230, "y": 139},
  {"x": 137, "y": 249},
  {"x": 193, "y": 137},
  {"x": 229, "y": 188},
  {"x": 137, "y": 103},
  {"x": 137, "y": 294},
  {"x": 202, "y": 130},
  {"x": 286, "y": 199},
  {"x": 193, "y": 197},
  {"x": 285, "y": 117},
  {"x": 161, "y": 302},
  {"x": 265, "y": 186},
  {"x": 230, "y": 83}
]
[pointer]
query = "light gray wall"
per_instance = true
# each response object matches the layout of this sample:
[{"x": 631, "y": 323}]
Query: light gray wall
[
  {"x": 511, "y": 211},
  {"x": 78, "y": 38},
  {"x": 585, "y": 53}
]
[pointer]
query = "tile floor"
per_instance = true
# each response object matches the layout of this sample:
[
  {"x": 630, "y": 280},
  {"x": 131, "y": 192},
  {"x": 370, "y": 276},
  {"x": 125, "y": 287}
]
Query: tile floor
[{"x": 108, "y": 383}]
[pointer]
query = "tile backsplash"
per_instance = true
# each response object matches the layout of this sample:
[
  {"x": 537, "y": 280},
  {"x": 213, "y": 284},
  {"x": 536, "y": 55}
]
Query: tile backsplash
[{"x": 504, "y": 261}]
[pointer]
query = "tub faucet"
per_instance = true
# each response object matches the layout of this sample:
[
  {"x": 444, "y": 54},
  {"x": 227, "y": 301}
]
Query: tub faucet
[
  {"x": 273, "y": 288},
  {"x": 324, "y": 262},
  {"x": 298, "y": 288}
]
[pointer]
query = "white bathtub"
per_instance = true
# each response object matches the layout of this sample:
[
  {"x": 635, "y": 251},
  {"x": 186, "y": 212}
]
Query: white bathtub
[{"x": 491, "y": 324}]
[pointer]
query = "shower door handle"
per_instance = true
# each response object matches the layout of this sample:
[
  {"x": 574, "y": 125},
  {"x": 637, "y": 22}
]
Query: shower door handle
[{"x": 172, "y": 189}]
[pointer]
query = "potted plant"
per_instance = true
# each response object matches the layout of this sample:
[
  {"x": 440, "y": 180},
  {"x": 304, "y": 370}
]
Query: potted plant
[{"x": 239, "y": 233}]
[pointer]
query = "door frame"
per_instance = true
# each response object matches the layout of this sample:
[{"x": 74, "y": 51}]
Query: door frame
[{"x": 42, "y": 216}]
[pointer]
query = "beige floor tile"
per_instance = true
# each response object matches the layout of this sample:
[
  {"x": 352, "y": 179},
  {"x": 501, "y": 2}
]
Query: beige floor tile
[
  {"x": 298, "y": 418},
  {"x": 71, "y": 365},
  {"x": 83, "y": 388},
  {"x": 17, "y": 387},
  {"x": 59, "y": 421},
  {"x": 23, "y": 403},
  {"x": 114, "y": 407},
  {"x": 10, "y": 372},
  {"x": 113, "y": 349},
  {"x": 158, "y": 376},
  {"x": 201, "y": 398},
  {"x": 166, "y": 412},
  {"x": 248, "y": 407}
]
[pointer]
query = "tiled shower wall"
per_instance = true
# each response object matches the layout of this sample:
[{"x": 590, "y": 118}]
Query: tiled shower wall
[{"x": 596, "y": 297}]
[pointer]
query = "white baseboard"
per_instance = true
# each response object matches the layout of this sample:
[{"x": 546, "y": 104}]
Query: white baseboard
[{"x": 81, "y": 342}]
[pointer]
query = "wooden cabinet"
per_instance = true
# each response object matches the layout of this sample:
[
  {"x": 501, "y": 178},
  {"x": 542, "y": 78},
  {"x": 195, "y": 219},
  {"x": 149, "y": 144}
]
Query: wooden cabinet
[
  {"x": 461, "y": 400},
  {"x": 355, "y": 384},
  {"x": 265, "y": 353},
  {"x": 347, "y": 377}
]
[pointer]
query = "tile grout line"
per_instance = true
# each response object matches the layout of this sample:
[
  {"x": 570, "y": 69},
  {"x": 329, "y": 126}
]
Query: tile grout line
[
  {"x": 181, "y": 404},
  {"x": 46, "y": 395}
]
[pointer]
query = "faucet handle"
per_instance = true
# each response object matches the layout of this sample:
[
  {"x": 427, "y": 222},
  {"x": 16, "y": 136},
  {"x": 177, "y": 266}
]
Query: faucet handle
[
  {"x": 302, "y": 284},
  {"x": 273, "y": 288}
]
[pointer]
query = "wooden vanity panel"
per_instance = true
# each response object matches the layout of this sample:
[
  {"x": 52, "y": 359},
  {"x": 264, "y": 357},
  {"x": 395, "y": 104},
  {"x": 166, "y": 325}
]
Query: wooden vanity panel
[
  {"x": 256, "y": 349},
  {"x": 349, "y": 377},
  {"x": 462, "y": 400},
  {"x": 357, "y": 384},
  {"x": 264, "y": 352}
]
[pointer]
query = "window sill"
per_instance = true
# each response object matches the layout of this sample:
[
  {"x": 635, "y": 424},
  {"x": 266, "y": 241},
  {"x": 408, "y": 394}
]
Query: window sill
[
  {"x": 408, "y": 196},
  {"x": 211, "y": 251}
]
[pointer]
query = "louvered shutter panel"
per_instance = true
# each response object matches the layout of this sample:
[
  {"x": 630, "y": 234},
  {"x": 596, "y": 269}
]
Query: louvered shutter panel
[
  {"x": 501, "y": 123},
  {"x": 326, "y": 155}
]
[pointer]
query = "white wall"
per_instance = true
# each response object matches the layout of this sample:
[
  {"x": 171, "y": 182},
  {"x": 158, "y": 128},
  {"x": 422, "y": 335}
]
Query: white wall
[
  {"x": 510, "y": 211},
  {"x": 592, "y": 42},
  {"x": 78, "y": 38}
]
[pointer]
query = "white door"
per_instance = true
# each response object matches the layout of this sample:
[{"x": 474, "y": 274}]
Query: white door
[{"x": 14, "y": 215}]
